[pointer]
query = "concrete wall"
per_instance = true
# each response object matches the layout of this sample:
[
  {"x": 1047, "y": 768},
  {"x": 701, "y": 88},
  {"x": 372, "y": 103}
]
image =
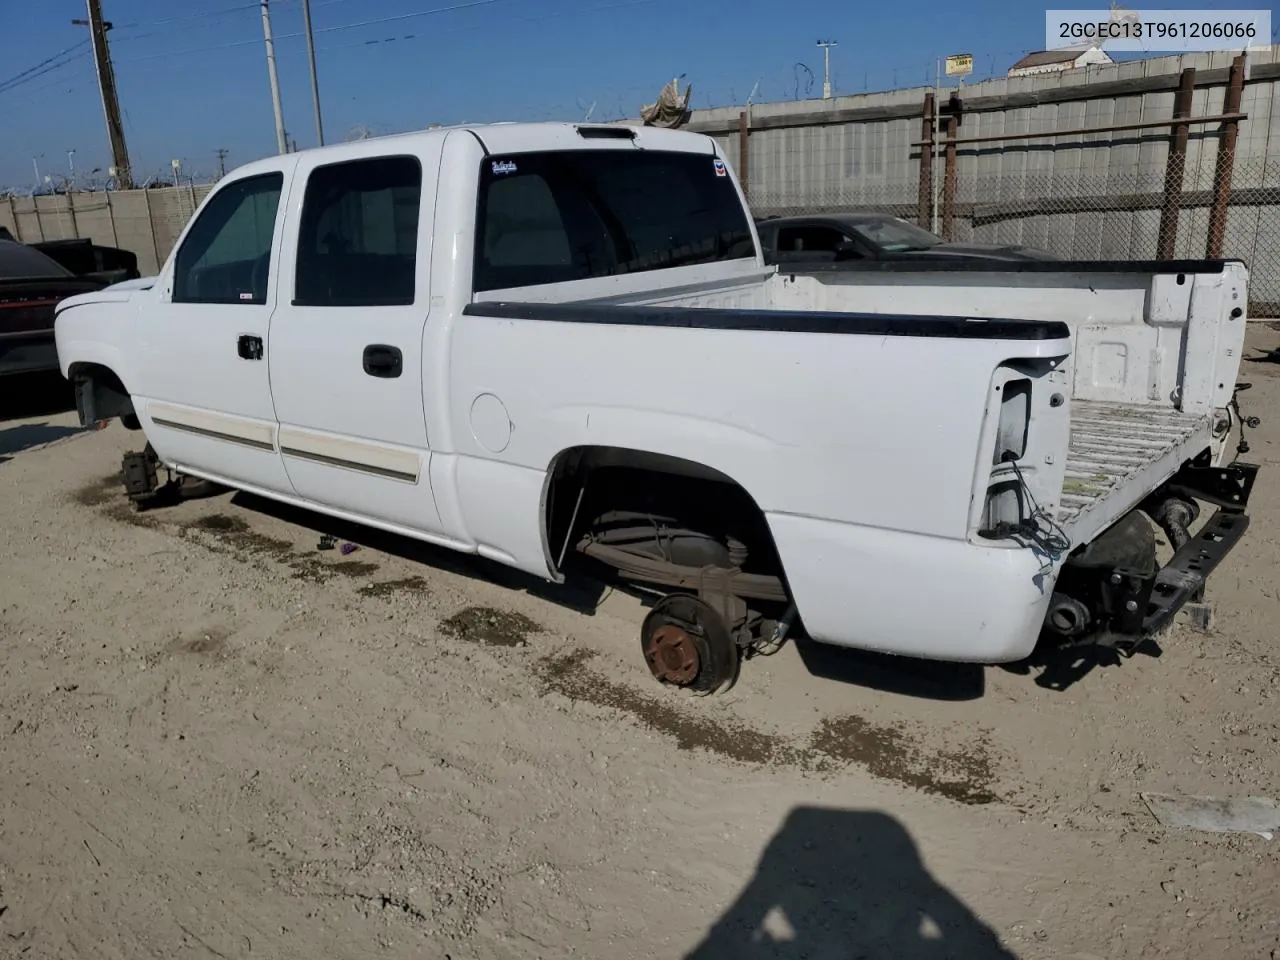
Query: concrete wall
[{"x": 145, "y": 222}]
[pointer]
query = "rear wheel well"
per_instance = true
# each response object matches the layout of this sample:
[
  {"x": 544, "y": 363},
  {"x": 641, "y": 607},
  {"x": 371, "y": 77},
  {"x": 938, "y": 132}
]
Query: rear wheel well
[
  {"x": 588, "y": 482},
  {"x": 683, "y": 530},
  {"x": 101, "y": 395}
]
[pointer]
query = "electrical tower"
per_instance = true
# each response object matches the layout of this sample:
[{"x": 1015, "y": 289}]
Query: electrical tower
[
  {"x": 826, "y": 46},
  {"x": 222, "y": 162},
  {"x": 107, "y": 83}
]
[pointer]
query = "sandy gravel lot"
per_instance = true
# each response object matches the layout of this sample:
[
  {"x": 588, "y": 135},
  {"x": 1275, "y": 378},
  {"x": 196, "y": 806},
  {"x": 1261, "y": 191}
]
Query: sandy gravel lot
[{"x": 218, "y": 741}]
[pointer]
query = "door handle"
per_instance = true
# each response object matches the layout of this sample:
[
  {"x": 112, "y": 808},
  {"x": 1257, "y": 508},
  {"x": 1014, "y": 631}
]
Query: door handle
[
  {"x": 249, "y": 347},
  {"x": 381, "y": 360}
]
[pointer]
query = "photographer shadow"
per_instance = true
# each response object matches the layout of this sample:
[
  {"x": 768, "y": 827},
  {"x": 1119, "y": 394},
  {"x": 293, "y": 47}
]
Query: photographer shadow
[{"x": 846, "y": 883}]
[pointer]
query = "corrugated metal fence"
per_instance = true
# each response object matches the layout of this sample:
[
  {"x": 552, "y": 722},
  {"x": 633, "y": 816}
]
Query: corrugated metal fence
[{"x": 1032, "y": 166}]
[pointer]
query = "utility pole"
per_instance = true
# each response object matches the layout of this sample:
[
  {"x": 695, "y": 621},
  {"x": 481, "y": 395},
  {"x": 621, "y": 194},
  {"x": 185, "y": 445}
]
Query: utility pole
[
  {"x": 311, "y": 59},
  {"x": 222, "y": 162},
  {"x": 826, "y": 46},
  {"x": 281, "y": 145},
  {"x": 107, "y": 84}
]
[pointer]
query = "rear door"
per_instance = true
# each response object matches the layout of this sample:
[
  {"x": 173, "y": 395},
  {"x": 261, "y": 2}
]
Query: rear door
[
  {"x": 346, "y": 348},
  {"x": 202, "y": 338}
]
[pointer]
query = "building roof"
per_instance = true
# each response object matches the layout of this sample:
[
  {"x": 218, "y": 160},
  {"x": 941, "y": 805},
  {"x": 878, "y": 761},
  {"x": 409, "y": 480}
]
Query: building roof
[{"x": 1042, "y": 58}]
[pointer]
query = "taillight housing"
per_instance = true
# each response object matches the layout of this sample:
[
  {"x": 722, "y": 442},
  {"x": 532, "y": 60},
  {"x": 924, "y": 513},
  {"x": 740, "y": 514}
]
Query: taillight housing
[{"x": 1022, "y": 458}]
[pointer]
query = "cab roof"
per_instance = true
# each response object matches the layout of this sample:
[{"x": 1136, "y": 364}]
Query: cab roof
[{"x": 509, "y": 138}]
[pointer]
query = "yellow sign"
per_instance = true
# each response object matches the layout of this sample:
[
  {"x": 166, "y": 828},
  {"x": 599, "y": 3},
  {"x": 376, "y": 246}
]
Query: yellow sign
[{"x": 961, "y": 65}]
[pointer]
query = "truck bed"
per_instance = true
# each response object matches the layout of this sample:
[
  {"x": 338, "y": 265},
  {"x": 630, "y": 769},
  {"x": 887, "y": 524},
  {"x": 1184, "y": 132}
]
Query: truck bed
[
  {"x": 1119, "y": 452},
  {"x": 1155, "y": 350},
  {"x": 1143, "y": 334}
]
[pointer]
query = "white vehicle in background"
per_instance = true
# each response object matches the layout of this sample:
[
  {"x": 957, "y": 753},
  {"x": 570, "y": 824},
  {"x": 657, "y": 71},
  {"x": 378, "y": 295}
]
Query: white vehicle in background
[{"x": 552, "y": 345}]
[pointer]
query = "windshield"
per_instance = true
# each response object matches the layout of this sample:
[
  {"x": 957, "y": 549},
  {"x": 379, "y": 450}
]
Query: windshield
[{"x": 893, "y": 235}]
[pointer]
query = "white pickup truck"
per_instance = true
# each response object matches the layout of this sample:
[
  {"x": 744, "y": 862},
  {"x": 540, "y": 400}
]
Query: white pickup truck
[{"x": 558, "y": 346}]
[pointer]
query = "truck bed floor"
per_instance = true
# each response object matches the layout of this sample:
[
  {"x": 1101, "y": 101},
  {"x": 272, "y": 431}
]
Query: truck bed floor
[{"x": 1120, "y": 452}]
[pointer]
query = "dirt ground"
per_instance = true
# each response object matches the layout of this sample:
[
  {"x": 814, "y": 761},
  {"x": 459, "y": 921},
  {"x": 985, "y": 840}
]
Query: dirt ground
[{"x": 217, "y": 740}]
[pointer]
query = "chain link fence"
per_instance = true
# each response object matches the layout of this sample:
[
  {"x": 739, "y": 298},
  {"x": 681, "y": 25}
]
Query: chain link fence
[{"x": 1114, "y": 213}]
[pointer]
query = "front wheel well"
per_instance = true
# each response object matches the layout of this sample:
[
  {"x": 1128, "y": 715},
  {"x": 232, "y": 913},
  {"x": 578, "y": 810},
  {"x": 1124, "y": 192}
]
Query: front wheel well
[{"x": 101, "y": 395}]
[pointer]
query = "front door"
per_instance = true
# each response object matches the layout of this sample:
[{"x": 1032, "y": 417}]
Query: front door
[
  {"x": 346, "y": 344},
  {"x": 203, "y": 337}
]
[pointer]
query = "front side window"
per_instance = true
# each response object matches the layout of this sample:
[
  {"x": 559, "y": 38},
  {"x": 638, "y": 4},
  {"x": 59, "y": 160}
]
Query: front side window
[
  {"x": 226, "y": 256},
  {"x": 358, "y": 237},
  {"x": 571, "y": 215}
]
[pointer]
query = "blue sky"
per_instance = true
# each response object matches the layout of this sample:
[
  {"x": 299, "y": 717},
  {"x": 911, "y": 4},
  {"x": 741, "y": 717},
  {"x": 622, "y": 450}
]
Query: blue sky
[{"x": 192, "y": 73}]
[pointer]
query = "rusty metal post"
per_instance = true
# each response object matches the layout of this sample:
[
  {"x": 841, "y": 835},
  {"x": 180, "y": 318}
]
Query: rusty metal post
[
  {"x": 1175, "y": 167},
  {"x": 1225, "y": 162},
  {"x": 744, "y": 154},
  {"x": 925, "y": 214},
  {"x": 949, "y": 181}
]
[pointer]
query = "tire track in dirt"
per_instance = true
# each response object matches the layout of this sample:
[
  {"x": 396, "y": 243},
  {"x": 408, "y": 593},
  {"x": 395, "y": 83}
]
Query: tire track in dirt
[{"x": 965, "y": 774}]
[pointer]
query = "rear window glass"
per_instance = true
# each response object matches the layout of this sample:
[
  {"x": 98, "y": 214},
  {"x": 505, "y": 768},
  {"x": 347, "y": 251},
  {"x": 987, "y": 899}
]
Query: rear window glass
[
  {"x": 572, "y": 215},
  {"x": 20, "y": 262}
]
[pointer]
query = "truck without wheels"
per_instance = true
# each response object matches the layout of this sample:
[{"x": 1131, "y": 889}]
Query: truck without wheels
[{"x": 558, "y": 347}]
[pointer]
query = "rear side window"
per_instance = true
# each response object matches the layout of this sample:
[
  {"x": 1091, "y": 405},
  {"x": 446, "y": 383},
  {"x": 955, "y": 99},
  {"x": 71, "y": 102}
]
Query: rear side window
[
  {"x": 226, "y": 256},
  {"x": 571, "y": 215},
  {"x": 358, "y": 238}
]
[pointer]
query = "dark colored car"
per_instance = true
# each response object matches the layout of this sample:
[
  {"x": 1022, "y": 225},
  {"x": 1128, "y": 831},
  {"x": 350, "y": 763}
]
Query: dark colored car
[
  {"x": 31, "y": 285},
  {"x": 870, "y": 236},
  {"x": 85, "y": 258}
]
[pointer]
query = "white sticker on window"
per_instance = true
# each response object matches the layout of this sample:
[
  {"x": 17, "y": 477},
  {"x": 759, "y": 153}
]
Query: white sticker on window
[
  {"x": 721, "y": 171},
  {"x": 504, "y": 166},
  {"x": 246, "y": 296}
]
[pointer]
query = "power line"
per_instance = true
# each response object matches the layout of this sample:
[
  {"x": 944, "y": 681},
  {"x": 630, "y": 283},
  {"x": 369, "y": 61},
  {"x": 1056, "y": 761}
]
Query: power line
[
  {"x": 43, "y": 67},
  {"x": 47, "y": 70},
  {"x": 170, "y": 21},
  {"x": 546, "y": 16},
  {"x": 409, "y": 16},
  {"x": 66, "y": 84},
  {"x": 294, "y": 36},
  {"x": 363, "y": 23},
  {"x": 189, "y": 16}
]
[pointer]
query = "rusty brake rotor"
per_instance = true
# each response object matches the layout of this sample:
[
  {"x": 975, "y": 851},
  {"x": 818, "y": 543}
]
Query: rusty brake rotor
[{"x": 672, "y": 655}]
